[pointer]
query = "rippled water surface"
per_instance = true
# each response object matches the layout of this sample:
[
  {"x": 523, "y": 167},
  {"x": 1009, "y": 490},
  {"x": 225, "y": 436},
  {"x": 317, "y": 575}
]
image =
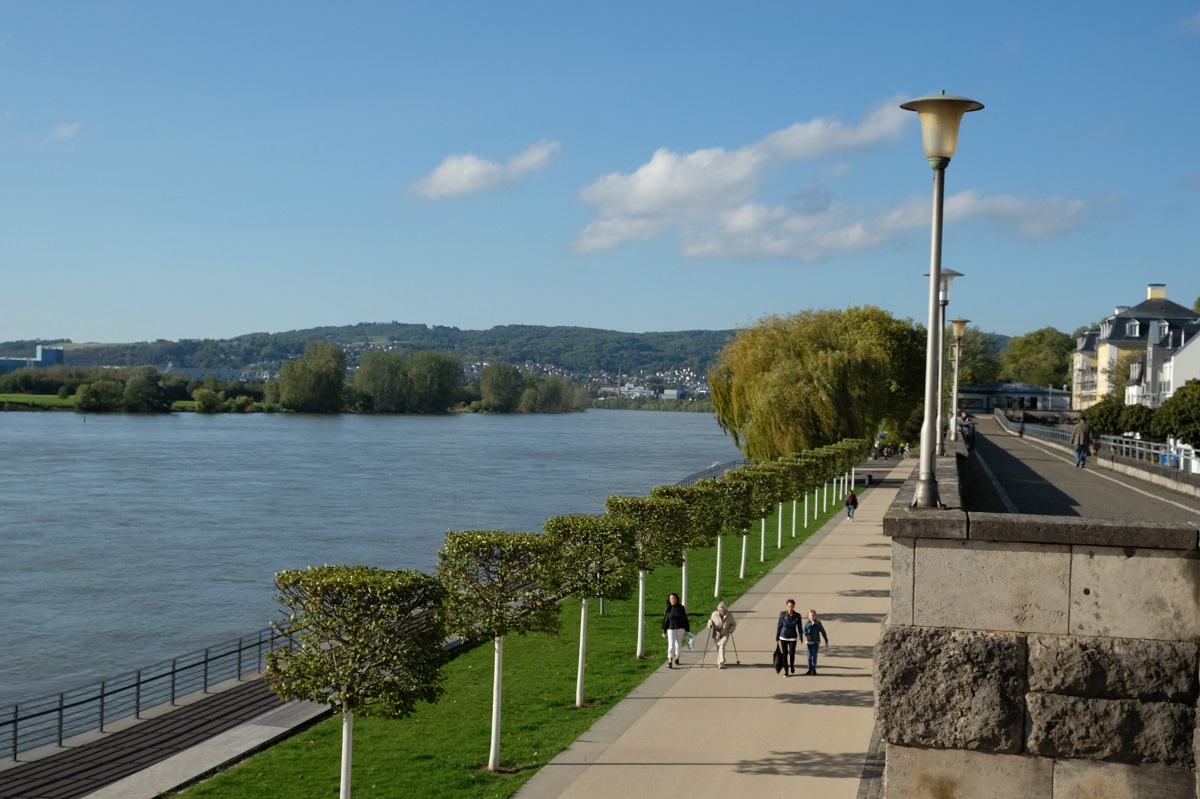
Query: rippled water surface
[{"x": 130, "y": 540}]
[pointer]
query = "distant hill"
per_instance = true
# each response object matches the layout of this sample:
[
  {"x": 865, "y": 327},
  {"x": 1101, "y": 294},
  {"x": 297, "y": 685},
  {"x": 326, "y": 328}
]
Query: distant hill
[{"x": 575, "y": 349}]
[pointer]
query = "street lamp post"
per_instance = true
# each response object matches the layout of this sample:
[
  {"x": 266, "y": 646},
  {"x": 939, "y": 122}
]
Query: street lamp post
[
  {"x": 959, "y": 328},
  {"x": 948, "y": 276},
  {"x": 940, "y": 116}
]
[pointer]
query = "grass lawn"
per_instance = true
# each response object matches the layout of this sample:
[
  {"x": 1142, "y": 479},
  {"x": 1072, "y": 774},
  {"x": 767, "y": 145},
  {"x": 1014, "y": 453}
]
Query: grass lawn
[
  {"x": 37, "y": 400},
  {"x": 439, "y": 751}
]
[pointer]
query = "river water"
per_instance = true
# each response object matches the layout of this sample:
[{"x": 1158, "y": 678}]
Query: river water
[{"x": 130, "y": 540}]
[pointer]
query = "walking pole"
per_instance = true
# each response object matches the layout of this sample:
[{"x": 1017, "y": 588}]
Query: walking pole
[
  {"x": 707, "y": 638},
  {"x": 736, "y": 657}
]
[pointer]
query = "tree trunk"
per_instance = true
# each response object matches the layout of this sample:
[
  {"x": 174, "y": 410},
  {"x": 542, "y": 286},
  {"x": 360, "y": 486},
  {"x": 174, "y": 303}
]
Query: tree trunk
[
  {"x": 793, "y": 518},
  {"x": 683, "y": 589},
  {"x": 742, "y": 571},
  {"x": 717, "y": 584},
  {"x": 762, "y": 544},
  {"x": 497, "y": 678},
  {"x": 779, "y": 534},
  {"x": 582, "y": 653},
  {"x": 347, "y": 752},
  {"x": 641, "y": 636}
]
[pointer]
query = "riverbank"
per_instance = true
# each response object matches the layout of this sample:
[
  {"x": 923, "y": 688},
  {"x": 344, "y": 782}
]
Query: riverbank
[{"x": 439, "y": 751}]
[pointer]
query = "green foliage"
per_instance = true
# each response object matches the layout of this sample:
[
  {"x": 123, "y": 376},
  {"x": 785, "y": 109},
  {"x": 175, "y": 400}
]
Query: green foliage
[
  {"x": 144, "y": 392},
  {"x": 980, "y": 363},
  {"x": 659, "y": 528},
  {"x": 737, "y": 505},
  {"x": 1179, "y": 416},
  {"x": 1105, "y": 415},
  {"x": 793, "y": 383},
  {"x": 495, "y": 584},
  {"x": 1040, "y": 358},
  {"x": 1137, "y": 418},
  {"x": 99, "y": 396},
  {"x": 363, "y": 640},
  {"x": 314, "y": 383},
  {"x": 437, "y": 379},
  {"x": 207, "y": 401},
  {"x": 759, "y": 487},
  {"x": 383, "y": 378},
  {"x": 587, "y": 556},
  {"x": 702, "y": 501},
  {"x": 500, "y": 387}
]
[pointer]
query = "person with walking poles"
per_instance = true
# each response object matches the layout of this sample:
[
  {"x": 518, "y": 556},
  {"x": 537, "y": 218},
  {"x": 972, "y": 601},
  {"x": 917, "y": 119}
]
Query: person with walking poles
[
  {"x": 720, "y": 627},
  {"x": 788, "y": 633},
  {"x": 813, "y": 631},
  {"x": 851, "y": 504},
  {"x": 675, "y": 624},
  {"x": 1081, "y": 437}
]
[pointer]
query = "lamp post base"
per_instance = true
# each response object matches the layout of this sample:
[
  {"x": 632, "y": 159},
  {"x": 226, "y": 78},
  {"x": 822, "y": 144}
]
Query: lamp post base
[{"x": 926, "y": 495}]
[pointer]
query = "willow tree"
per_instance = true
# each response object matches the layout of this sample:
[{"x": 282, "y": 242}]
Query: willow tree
[
  {"x": 798, "y": 382},
  {"x": 496, "y": 585},
  {"x": 704, "y": 521},
  {"x": 658, "y": 528},
  {"x": 361, "y": 640},
  {"x": 587, "y": 557}
]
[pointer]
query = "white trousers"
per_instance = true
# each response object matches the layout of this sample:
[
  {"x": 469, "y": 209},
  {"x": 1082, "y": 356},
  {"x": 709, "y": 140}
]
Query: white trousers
[{"x": 674, "y": 643}]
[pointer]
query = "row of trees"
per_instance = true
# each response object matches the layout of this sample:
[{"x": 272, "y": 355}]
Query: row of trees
[
  {"x": 422, "y": 382},
  {"x": 369, "y": 641},
  {"x": 1178, "y": 417}
]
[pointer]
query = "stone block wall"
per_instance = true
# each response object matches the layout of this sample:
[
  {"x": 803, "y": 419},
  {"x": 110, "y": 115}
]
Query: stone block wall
[{"x": 1034, "y": 656}]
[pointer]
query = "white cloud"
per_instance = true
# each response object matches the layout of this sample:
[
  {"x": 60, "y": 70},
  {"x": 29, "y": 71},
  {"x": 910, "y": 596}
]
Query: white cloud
[
  {"x": 1191, "y": 24},
  {"x": 60, "y": 133},
  {"x": 1029, "y": 218},
  {"x": 459, "y": 175},
  {"x": 707, "y": 198}
]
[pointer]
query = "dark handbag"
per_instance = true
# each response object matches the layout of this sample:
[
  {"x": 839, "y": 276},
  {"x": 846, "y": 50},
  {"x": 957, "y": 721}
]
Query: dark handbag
[{"x": 778, "y": 659}]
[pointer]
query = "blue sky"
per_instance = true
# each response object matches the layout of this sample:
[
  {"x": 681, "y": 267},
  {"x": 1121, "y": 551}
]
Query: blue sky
[{"x": 194, "y": 170}]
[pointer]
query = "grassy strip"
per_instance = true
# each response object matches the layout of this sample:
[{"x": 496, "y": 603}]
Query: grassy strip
[
  {"x": 439, "y": 751},
  {"x": 37, "y": 400}
]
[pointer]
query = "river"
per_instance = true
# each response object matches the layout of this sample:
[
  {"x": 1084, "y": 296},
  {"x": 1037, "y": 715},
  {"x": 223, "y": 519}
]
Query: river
[{"x": 133, "y": 539}]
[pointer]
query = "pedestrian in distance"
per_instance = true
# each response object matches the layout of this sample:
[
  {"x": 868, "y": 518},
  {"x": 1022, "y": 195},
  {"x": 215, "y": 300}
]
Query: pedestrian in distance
[
  {"x": 851, "y": 504},
  {"x": 1081, "y": 437},
  {"x": 674, "y": 626},
  {"x": 788, "y": 633},
  {"x": 813, "y": 632},
  {"x": 720, "y": 626}
]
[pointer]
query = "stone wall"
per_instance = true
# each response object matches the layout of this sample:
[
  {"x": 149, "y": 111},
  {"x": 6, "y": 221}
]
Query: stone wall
[{"x": 1036, "y": 656}]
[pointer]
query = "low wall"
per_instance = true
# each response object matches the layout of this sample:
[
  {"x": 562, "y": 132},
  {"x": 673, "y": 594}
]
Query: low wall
[{"x": 1037, "y": 656}]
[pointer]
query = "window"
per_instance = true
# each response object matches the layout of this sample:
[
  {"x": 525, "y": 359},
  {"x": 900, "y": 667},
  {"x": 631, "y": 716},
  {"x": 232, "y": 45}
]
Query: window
[{"x": 1131, "y": 329}]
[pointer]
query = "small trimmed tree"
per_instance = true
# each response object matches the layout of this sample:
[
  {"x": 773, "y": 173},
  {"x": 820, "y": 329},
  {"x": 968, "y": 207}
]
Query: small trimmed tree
[
  {"x": 361, "y": 640},
  {"x": 658, "y": 525},
  {"x": 496, "y": 585},
  {"x": 736, "y": 514},
  {"x": 704, "y": 521},
  {"x": 587, "y": 558}
]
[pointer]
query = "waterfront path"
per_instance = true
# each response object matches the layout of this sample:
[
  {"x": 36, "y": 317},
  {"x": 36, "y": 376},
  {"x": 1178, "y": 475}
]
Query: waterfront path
[{"x": 746, "y": 731}]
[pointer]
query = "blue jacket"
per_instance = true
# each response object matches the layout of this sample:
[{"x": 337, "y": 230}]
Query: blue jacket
[
  {"x": 788, "y": 628},
  {"x": 812, "y": 632}
]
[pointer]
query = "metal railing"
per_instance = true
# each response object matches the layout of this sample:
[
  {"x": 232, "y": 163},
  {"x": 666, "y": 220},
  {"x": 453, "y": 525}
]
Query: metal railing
[
  {"x": 54, "y": 719},
  {"x": 713, "y": 472},
  {"x": 1180, "y": 457}
]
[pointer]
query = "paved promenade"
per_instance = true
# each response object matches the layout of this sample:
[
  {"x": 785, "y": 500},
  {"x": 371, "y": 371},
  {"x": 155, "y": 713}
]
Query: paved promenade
[{"x": 746, "y": 731}]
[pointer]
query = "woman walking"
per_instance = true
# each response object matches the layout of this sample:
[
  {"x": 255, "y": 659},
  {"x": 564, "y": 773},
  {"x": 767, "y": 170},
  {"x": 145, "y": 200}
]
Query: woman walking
[
  {"x": 851, "y": 505},
  {"x": 675, "y": 624},
  {"x": 788, "y": 633}
]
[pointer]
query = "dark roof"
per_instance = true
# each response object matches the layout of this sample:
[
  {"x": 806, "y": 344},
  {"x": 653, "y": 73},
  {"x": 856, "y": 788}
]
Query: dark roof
[{"x": 1158, "y": 308}]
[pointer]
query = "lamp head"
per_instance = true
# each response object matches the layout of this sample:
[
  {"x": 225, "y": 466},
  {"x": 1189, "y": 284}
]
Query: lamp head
[
  {"x": 959, "y": 327},
  {"x": 940, "y": 117},
  {"x": 947, "y": 276}
]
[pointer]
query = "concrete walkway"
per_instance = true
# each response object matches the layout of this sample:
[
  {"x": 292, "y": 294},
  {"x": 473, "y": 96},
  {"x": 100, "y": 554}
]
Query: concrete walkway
[{"x": 746, "y": 731}]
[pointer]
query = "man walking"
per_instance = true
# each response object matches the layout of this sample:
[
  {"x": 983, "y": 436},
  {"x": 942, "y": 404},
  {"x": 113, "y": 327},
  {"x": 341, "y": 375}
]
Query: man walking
[{"x": 1081, "y": 437}]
